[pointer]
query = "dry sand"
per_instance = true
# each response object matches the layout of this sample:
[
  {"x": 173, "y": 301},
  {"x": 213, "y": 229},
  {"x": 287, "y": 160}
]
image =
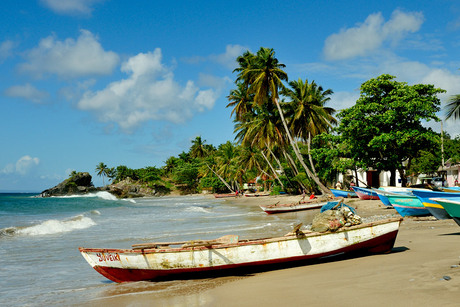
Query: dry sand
[{"x": 423, "y": 269}]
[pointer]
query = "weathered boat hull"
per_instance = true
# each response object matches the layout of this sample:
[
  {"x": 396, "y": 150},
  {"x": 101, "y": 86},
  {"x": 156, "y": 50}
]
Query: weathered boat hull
[
  {"x": 122, "y": 265},
  {"x": 408, "y": 205},
  {"x": 342, "y": 193},
  {"x": 365, "y": 194},
  {"x": 225, "y": 195},
  {"x": 452, "y": 206},
  {"x": 256, "y": 195},
  {"x": 304, "y": 205},
  {"x": 434, "y": 207}
]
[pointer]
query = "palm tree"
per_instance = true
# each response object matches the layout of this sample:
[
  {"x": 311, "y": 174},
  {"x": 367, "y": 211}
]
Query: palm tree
[
  {"x": 453, "y": 108},
  {"x": 198, "y": 149},
  {"x": 309, "y": 115},
  {"x": 307, "y": 111},
  {"x": 264, "y": 76},
  {"x": 102, "y": 170}
]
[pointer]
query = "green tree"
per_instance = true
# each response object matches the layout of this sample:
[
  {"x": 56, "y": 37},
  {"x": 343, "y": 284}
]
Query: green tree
[
  {"x": 263, "y": 75},
  {"x": 198, "y": 149},
  {"x": 307, "y": 110},
  {"x": 102, "y": 170},
  {"x": 453, "y": 108},
  {"x": 384, "y": 128}
]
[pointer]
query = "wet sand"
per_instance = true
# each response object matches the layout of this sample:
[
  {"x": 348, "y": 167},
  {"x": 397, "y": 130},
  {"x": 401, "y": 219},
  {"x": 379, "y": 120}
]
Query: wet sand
[{"x": 423, "y": 269}]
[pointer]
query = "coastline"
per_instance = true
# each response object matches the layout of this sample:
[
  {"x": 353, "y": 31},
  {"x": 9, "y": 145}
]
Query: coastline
[{"x": 422, "y": 269}]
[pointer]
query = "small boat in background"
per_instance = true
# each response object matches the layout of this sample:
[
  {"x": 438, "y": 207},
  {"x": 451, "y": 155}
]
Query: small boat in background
[
  {"x": 365, "y": 194},
  {"x": 225, "y": 195},
  {"x": 452, "y": 206},
  {"x": 343, "y": 193},
  {"x": 315, "y": 203},
  {"x": 408, "y": 205},
  {"x": 434, "y": 207},
  {"x": 256, "y": 194},
  {"x": 195, "y": 259}
]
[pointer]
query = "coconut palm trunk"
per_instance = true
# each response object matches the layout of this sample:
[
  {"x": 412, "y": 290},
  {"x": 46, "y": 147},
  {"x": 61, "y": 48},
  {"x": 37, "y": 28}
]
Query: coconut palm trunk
[
  {"x": 221, "y": 179},
  {"x": 271, "y": 167},
  {"x": 321, "y": 186}
]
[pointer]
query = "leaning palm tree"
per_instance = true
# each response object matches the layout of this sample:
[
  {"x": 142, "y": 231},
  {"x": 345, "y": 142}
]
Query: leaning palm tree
[
  {"x": 307, "y": 111},
  {"x": 453, "y": 108},
  {"x": 102, "y": 170},
  {"x": 264, "y": 77}
]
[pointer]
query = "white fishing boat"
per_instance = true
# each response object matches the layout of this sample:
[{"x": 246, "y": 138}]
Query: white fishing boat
[
  {"x": 309, "y": 204},
  {"x": 192, "y": 259}
]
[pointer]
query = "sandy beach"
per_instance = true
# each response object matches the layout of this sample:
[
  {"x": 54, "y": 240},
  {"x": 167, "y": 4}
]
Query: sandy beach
[{"x": 423, "y": 269}]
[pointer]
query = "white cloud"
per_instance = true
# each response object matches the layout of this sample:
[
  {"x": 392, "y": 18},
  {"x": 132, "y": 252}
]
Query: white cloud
[
  {"x": 70, "y": 58},
  {"x": 149, "y": 93},
  {"x": 6, "y": 49},
  {"x": 72, "y": 7},
  {"x": 28, "y": 92},
  {"x": 364, "y": 38},
  {"x": 343, "y": 100},
  {"x": 24, "y": 165},
  {"x": 228, "y": 59}
]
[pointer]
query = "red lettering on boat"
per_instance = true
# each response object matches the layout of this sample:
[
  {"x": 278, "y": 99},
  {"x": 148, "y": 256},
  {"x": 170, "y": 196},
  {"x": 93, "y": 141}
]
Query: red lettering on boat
[{"x": 108, "y": 257}]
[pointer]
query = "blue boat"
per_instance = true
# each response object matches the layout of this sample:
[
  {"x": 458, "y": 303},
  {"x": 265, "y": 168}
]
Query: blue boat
[
  {"x": 364, "y": 193},
  {"x": 342, "y": 193},
  {"x": 434, "y": 207},
  {"x": 383, "y": 195},
  {"x": 408, "y": 205}
]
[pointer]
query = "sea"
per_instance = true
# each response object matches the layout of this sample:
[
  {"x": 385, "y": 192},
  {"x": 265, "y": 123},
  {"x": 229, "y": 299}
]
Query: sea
[{"x": 40, "y": 264}]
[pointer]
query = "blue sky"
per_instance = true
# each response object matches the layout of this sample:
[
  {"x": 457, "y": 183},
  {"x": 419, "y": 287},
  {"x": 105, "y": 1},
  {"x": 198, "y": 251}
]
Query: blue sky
[{"x": 132, "y": 83}]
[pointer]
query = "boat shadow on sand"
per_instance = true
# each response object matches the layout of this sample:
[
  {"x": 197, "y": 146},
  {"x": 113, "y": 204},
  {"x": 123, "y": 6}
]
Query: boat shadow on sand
[{"x": 450, "y": 234}]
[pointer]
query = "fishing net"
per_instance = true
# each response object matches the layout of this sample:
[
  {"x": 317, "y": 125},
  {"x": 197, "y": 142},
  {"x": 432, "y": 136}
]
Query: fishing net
[{"x": 334, "y": 216}]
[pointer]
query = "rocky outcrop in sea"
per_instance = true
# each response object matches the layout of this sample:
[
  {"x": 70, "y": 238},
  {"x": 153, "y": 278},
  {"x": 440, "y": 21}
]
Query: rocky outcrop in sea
[
  {"x": 77, "y": 184},
  {"x": 81, "y": 183}
]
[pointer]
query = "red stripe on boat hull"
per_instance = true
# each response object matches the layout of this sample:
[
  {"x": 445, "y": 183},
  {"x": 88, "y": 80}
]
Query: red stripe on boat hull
[{"x": 366, "y": 197}]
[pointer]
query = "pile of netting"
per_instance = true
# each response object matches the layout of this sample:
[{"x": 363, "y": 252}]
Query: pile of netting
[{"x": 335, "y": 215}]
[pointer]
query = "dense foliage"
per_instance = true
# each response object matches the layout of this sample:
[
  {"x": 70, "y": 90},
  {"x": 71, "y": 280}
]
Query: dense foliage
[
  {"x": 384, "y": 130},
  {"x": 286, "y": 137}
]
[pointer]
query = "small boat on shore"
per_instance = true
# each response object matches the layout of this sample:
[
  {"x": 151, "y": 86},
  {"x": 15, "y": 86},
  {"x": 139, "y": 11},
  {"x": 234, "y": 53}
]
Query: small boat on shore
[
  {"x": 452, "y": 206},
  {"x": 365, "y": 194},
  {"x": 408, "y": 205},
  {"x": 343, "y": 193},
  {"x": 225, "y": 195},
  {"x": 195, "y": 259},
  {"x": 256, "y": 194},
  {"x": 298, "y": 206},
  {"x": 426, "y": 197}
]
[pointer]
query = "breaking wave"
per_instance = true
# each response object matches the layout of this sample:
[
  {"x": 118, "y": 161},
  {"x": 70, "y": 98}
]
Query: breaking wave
[
  {"x": 49, "y": 227},
  {"x": 103, "y": 194}
]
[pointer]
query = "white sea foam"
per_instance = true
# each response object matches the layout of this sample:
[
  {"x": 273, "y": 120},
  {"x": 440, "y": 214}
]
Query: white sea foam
[
  {"x": 55, "y": 226},
  {"x": 197, "y": 209},
  {"x": 102, "y": 194}
]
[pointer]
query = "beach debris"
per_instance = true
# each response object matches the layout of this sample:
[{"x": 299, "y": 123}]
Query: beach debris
[
  {"x": 446, "y": 277},
  {"x": 454, "y": 266}
]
